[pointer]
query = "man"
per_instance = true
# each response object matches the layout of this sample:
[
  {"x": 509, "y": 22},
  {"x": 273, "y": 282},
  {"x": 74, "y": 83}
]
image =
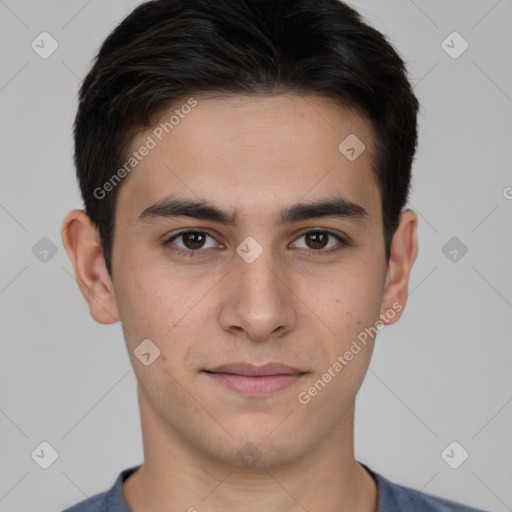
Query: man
[{"x": 244, "y": 167}]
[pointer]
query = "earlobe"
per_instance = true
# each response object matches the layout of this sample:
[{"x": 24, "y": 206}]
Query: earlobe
[
  {"x": 404, "y": 250},
  {"x": 81, "y": 241}
]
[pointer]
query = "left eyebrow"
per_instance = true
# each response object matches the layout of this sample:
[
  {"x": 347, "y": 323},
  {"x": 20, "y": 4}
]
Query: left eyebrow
[{"x": 171, "y": 207}]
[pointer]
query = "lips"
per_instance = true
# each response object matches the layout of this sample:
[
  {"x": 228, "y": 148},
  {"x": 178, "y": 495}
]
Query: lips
[
  {"x": 253, "y": 370},
  {"x": 255, "y": 381}
]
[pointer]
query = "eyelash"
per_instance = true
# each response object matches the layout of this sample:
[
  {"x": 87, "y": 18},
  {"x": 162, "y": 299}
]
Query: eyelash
[{"x": 191, "y": 253}]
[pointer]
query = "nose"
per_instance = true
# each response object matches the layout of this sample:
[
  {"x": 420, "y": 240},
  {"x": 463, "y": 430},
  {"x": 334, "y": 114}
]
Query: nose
[{"x": 259, "y": 302}]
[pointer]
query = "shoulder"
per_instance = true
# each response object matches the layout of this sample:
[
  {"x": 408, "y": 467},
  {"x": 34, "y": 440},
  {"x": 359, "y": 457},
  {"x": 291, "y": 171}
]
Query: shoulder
[
  {"x": 394, "y": 497},
  {"x": 93, "y": 504},
  {"x": 108, "y": 501},
  {"x": 409, "y": 500}
]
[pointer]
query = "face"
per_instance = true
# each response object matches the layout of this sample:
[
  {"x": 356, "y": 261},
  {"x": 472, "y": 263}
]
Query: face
[{"x": 280, "y": 283}]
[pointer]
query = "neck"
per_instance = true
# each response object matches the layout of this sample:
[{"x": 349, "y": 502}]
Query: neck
[{"x": 178, "y": 473}]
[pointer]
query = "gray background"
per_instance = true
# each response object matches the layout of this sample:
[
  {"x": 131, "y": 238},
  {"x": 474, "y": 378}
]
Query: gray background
[{"x": 441, "y": 374}]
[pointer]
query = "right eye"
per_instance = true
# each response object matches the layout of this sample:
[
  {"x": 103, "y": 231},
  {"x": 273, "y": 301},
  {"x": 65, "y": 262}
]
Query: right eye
[{"x": 192, "y": 242}]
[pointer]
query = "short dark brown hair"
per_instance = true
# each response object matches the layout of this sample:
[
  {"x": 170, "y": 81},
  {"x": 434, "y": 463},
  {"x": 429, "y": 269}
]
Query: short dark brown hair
[{"x": 166, "y": 50}]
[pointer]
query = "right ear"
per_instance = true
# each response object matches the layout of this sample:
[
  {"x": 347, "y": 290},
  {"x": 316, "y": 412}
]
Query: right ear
[{"x": 81, "y": 241}]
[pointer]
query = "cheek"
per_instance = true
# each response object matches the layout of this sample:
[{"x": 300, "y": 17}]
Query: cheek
[
  {"x": 148, "y": 310},
  {"x": 154, "y": 308},
  {"x": 346, "y": 302}
]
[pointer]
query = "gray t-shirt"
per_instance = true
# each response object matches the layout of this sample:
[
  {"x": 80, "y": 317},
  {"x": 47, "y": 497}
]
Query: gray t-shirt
[{"x": 392, "y": 498}]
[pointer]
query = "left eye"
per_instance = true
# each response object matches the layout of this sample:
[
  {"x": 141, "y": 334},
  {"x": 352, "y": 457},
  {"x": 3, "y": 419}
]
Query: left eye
[
  {"x": 194, "y": 241},
  {"x": 318, "y": 240}
]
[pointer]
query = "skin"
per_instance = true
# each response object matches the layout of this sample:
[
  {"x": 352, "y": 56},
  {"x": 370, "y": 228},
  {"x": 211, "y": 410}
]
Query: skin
[{"x": 255, "y": 155}]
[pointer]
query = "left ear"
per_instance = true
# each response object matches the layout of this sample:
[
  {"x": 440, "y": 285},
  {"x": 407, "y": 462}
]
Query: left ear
[{"x": 404, "y": 250}]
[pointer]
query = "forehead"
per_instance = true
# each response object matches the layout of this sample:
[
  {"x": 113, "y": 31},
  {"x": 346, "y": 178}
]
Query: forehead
[{"x": 252, "y": 154}]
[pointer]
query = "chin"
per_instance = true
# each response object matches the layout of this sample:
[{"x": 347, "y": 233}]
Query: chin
[{"x": 259, "y": 453}]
